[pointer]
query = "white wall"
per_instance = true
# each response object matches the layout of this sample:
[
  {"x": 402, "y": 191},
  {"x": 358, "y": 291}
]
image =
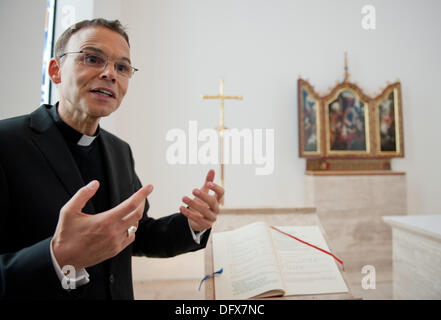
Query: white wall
[
  {"x": 183, "y": 47},
  {"x": 21, "y": 39}
]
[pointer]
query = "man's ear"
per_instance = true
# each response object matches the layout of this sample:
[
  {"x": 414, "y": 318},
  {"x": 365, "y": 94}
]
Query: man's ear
[{"x": 54, "y": 70}]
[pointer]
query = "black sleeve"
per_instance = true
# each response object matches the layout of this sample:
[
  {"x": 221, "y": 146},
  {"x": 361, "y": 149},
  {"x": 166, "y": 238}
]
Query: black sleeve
[{"x": 28, "y": 272}]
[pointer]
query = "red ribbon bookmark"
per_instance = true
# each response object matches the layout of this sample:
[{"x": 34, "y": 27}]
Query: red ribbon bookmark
[{"x": 311, "y": 245}]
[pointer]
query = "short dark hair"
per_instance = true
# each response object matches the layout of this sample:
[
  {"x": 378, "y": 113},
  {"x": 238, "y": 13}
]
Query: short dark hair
[{"x": 113, "y": 25}]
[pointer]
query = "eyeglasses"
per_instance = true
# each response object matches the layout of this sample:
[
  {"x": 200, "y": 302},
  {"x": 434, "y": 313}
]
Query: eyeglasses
[{"x": 97, "y": 61}]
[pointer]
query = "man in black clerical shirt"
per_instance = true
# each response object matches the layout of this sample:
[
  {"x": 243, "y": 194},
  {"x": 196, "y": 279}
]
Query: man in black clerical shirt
[{"x": 72, "y": 209}]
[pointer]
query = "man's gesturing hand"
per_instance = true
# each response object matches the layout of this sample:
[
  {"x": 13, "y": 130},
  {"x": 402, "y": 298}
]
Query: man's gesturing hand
[
  {"x": 84, "y": 240},
  {"x": 203, "y": 209}
]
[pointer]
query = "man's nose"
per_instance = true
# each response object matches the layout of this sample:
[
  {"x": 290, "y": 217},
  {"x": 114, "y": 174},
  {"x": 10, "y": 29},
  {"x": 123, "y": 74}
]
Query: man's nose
[{"x": 109, "y": 72}]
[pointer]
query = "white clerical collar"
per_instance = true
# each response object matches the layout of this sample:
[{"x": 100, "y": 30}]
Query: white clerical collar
[
  {"x": 86, "y": 140},
  {"x": 70, "y": 134}
]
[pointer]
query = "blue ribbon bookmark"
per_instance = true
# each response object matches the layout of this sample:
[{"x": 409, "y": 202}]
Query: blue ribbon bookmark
[{"x": 209, "y": 276}]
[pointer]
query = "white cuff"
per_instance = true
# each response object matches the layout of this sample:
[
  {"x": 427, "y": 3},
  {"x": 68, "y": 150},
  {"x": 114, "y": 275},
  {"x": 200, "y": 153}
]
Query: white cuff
[
  {"x": 196, "y": 237},
  {"x": 74, "y": 279}
]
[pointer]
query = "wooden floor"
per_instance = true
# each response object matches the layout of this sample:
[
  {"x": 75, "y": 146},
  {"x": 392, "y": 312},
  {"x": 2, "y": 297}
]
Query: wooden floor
[{"x": 188, "y": 289}]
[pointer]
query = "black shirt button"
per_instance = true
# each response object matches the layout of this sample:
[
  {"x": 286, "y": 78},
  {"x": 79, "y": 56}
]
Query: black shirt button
[{"x": 111, "y": 278}]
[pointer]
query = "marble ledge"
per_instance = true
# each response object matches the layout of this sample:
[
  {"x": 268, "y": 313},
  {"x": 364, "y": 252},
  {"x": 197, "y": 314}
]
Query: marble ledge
[
  {"x": 266, "y": 210},
  {"x": 331, "y": 173},
  {"x": 426, "y": 225}
]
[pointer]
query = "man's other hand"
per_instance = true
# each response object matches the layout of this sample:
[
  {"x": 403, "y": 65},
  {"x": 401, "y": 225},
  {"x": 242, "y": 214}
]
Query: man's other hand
[{"x": 204, "y": 207}]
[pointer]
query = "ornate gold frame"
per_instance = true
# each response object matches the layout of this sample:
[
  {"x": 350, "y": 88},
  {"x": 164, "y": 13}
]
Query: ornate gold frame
[
  {"x": 304, "y": 85},
  {"x": 326, "y": 159},
  {"x": 347, "y": 86},
  {"x": 394, "y": 88}
]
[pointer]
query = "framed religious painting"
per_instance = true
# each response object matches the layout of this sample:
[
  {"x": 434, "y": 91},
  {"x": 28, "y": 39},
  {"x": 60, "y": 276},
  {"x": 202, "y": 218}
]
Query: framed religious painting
[
  {"x": 310, "y": 121},
  {"x": 387, "y": 112},
  {"x": 345, "y": 131},
  {"x": 347, "y": 122}
]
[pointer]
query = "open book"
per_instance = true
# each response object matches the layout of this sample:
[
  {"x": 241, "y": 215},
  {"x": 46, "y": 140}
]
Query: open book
[{"x": 258, "y": 261}]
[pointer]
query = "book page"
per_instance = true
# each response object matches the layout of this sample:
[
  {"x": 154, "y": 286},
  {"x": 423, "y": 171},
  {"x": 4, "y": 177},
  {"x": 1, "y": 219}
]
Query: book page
[
  {"x": 249, "y": 263},
  {"x": 306, "y": 270}
]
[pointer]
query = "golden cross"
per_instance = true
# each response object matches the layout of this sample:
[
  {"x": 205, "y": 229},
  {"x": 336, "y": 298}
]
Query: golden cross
[{"x": 221, "y": 127}]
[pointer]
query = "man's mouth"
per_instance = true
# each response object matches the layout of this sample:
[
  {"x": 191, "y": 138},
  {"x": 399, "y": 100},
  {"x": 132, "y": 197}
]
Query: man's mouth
[{"x": 104, "y": 92}]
